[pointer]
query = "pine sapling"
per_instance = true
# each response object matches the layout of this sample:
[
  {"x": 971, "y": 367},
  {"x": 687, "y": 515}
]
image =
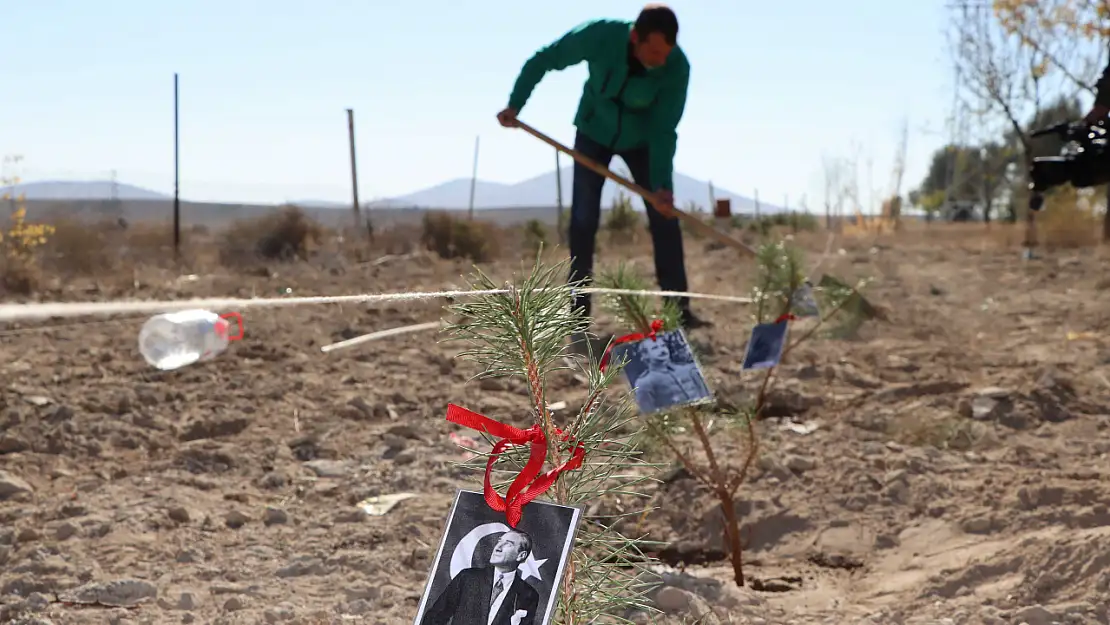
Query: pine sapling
[
  {"x": 780, "y": 274},
  {"x": 523, "y": 334}
]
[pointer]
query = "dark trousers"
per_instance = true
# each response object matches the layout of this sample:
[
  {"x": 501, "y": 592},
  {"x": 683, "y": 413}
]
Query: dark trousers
[{"x": 585, "y": 217}]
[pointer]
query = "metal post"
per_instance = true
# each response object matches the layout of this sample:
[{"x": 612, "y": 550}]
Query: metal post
[
  {"x": 176, "y": 174},
  {"x": 560, "y": 220},
  {"x": 473, "y": 178}
]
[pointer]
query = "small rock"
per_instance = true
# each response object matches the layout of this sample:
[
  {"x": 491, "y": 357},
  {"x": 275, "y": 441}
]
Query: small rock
[
  {"x": 361, "y": 408},
  {"x": 65, "y": 530},
  {"x": 186, "y": 601},
  {"x": 234, "y": 604},
  {"x": 329, "y": 468},
  {"x": 28, "y": 534},
  {"x": 976, "y": 525},
  {"x": 994, "y": 392},
  {"x": 405, "y": 457},
  {"x": 272, "y": 481},
  {"x": 189, "y": 556},
  {"x": 800, "y": 464},
  {"x": 236, "y": 519},
  {"x": 898, "y": 492},
  {"x": 279, "y": 613},
  {"x": 275, "y": 516},
  {"x": 37, "y": 602},
  {"x": 302, "y": 566},
  {"x": 1035, "y": 615},
  {"x": 123, "y": 593},
  {"x": 983, "y": 408},
  {"x": 673, "y": 600},
  {"x": 11, "y": 486},
  {"x": 11, "y": 444},
  {"x": 886, "y": 541},
  {"x": 178, "y": 514}
]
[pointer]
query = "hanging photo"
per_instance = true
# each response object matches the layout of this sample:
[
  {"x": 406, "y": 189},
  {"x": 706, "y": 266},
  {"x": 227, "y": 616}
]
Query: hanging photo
[
  {"x": 803, "y": 303},
  {"x": 662, "y": 372},
  {"x": 765, "y": 346},
  {"x": 487, "y": 573}
]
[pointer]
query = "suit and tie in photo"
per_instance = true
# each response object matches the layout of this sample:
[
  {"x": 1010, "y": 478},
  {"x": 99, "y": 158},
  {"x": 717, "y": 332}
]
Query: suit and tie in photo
[
  {"x": 490, "y": 595},
  {"x": 487, "y": 572}
]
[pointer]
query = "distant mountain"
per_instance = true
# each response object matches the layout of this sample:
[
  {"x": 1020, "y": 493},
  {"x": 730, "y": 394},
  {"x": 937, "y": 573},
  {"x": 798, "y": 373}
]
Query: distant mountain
[
  {"x": 81, "y": 190},
  {"x": 454, "y": 194},
  {"x": 541, "y": 191}
]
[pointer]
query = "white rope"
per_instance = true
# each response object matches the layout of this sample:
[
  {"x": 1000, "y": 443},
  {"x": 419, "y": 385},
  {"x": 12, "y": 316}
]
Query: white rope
[
  {"x": 16, "y": 312},
  {"x": 381, "y": 334}
]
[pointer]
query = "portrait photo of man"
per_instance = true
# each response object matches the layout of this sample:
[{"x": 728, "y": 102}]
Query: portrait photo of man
[
  {"x": 662, "y": 372},
  {"x": 488, "y": 573},
  {"x": 492, "y": 594}
]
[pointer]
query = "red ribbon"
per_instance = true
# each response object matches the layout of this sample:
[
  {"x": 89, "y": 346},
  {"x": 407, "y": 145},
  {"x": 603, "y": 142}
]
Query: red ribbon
[
  {"x": 656, "y": 327},
  {"x": 529, "y": 484},
  {"x": 785, "y": 317}
]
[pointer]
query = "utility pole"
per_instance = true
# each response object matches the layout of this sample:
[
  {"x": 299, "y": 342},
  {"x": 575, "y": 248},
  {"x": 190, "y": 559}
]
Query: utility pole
[
  {"x": 354, "y": 174},
  {"x": 473, "y": 179},
  {"x": 176, "y": 175}
]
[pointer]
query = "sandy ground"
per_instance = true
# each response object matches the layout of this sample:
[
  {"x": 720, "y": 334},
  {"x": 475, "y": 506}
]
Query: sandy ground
[{"x": 955, "y": 469}]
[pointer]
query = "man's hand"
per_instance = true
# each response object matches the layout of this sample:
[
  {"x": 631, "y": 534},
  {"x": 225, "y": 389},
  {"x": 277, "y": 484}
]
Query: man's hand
[
  {"x": 663, "y": 201},
  {"x": 517, "y": 617},
  {"x": 1099, "y": 112},
  {"x": 507, "y": 118}
]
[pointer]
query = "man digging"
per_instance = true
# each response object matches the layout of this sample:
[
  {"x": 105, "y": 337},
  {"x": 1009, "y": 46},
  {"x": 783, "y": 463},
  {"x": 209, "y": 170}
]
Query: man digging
[{"x": 630, "y": 107}]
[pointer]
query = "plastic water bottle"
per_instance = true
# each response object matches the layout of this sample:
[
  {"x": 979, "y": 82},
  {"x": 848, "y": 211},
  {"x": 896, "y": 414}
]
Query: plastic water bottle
[{"x": 173, "y": 340}]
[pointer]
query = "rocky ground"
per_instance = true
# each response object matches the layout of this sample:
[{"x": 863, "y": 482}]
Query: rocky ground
[{"x": 947, "y": 466}]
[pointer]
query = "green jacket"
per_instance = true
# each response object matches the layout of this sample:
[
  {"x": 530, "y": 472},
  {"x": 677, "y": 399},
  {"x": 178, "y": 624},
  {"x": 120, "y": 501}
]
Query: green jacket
[{"x": 617, "y": 110}]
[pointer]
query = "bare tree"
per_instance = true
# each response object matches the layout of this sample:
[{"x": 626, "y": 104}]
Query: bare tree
[
  {"x": 1002, "y": 79},
  {"x": 1056, "y": 30},
  {"x": 833, "y": 170}
]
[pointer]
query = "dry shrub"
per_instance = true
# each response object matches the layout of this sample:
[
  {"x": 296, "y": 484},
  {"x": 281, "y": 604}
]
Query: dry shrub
[
  {"x": 1067, "y": 221},
  {"x": 18, "y": 277},
  {"x": 949, "y": 431},
  {"x": 20, "y": 251},
  {"x": 451, "y": 237},
  {"x": 535, "y": 236},
  {"x": 286, "y": 235},
  {"x": 622, "y": 221},
  {"x": 79, "y": 248}
]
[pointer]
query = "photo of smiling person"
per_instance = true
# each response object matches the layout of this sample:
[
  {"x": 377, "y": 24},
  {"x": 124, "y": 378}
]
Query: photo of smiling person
[{"x": 663, "y": 372}]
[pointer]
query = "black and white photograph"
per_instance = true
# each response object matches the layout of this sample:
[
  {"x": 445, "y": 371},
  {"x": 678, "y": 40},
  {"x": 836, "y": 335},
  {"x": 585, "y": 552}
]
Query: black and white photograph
[
  {"x": 765, "y": 346},
  {"x": 663, "y": 372},
  {"x": 803, "y": 303},
  {"x": 487, "y": 573}
]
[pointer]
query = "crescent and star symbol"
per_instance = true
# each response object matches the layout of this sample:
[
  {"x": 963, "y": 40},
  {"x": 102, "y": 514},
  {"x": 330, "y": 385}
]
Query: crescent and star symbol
[{"x": 464, "y": 552}]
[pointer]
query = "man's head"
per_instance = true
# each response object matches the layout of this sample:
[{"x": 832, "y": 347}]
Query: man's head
[
  {"x": 656, "y": 353},
  {"x": 654, "y": 35},
  {"x": 511, "y": 550}
]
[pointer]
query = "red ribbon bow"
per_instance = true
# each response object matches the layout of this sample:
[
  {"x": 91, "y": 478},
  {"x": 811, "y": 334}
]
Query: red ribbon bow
[
  {"x": 656, "y": 327},
  {"x": 785, "y": 317},
  {"x": 529, "y": 484}
]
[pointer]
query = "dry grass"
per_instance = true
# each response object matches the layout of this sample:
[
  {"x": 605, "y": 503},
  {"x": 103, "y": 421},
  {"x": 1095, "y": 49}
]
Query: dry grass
[
  {"x": 457, "y": 237},
  {"x": 109, "y": 249}
]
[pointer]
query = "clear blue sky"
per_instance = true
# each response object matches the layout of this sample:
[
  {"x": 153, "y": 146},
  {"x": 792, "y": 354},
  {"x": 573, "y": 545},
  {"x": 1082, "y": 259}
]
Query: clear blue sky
[{"x": 264, "y": 86}]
